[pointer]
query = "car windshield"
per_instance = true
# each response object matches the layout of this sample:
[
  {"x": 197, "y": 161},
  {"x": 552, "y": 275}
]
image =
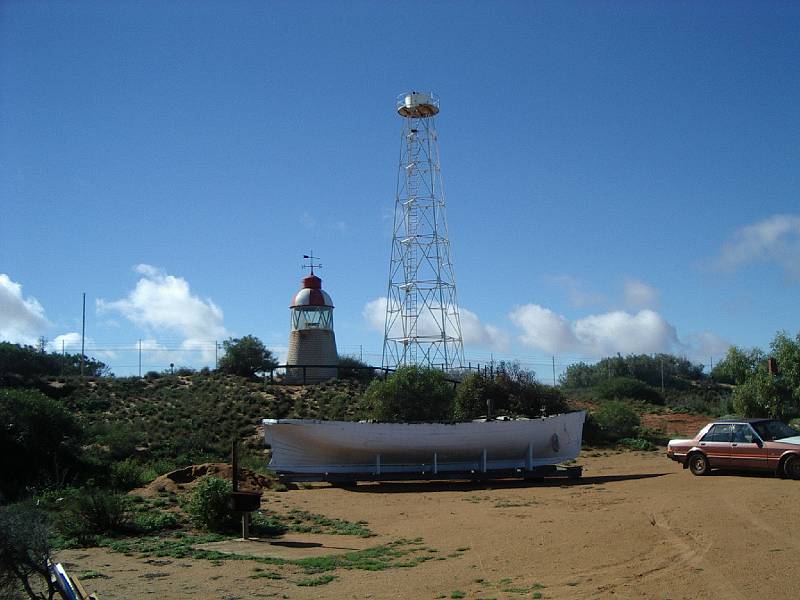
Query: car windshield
[{"x": 774, "y": 430}]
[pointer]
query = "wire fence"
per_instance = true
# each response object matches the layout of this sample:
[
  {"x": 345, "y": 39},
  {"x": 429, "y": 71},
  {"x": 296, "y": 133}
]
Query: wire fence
[{"x": 139, "y": 357}]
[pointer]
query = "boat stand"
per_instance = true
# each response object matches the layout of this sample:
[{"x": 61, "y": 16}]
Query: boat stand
[{"x": 537, "y": 473}]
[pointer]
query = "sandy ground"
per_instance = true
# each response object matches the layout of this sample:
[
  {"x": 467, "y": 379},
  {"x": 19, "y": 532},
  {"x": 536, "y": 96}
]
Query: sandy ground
[{"x": 635, "y": 526}]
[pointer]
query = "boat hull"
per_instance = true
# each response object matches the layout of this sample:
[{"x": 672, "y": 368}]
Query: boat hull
[{"x": 310, "y": 446}]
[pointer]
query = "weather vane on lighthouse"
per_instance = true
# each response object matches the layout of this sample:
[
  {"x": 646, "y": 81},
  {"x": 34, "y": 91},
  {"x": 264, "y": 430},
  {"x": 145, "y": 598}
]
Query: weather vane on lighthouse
[{"x": 310, "y": 257}]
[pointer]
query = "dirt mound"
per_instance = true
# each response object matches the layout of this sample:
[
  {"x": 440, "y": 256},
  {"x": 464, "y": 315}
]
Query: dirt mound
[
  {"x": 183, "y": 480},
  {"x": 677, "y": 424}
]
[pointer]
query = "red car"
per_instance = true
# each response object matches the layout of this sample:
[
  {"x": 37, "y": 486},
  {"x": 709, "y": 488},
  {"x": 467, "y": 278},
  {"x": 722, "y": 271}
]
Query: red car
[{"x": 748, "y": 444}]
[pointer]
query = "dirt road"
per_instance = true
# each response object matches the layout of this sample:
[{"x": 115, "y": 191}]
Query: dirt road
[{"x": 635, "y": 526}]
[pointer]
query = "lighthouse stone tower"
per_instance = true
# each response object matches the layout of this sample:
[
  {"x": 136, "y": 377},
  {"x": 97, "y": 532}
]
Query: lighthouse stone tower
[{"x": 311, "y": 340}]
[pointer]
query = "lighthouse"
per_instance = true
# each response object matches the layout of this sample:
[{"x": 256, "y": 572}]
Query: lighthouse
[
  {"x": 423, "y": 326},
  {"x": 312, "y": 342}
]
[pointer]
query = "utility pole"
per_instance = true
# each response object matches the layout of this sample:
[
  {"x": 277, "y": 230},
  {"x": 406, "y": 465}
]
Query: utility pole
[
  {"x": 662, "y": 374},
  {"x": 63, "y": 357},
  {"x": 140, "y": 358},
  {"x": 554, "y": 371},
  {"x": 216, "y": 359},
  {"x": 83, "y": 332}
]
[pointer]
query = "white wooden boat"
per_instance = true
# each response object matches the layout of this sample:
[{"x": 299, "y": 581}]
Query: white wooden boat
[{"x": 323, "y": 447}]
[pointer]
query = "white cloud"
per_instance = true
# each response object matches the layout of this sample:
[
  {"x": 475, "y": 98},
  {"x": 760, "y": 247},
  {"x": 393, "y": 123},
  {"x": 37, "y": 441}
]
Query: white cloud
[
  {"x": 596, "y": 335},
  {"x": 775, "y": 239},
  {"x": 705, "y": 345},
  {"x": 476, "y": 333},
  {"x": 164, "y": 303},
  {"x": 71, "y": 342},
  {"x": 22, "y": 320},
  {"x": 374, "y": 313},
  {"x": 543, "y": 329},
  {"x": 619, "y": 331},
  {"x": 473, "y": 332},
  {"x": 638, "y": 295},
  {"x": 577, "y": 293}
]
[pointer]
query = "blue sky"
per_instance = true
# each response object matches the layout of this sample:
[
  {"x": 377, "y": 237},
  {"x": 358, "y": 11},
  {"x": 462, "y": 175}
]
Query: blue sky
[{"x": 620, "y": 176}]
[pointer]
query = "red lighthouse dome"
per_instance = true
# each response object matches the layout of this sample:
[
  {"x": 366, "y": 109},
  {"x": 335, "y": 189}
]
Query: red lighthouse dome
[{"x": 311, "y": 294}]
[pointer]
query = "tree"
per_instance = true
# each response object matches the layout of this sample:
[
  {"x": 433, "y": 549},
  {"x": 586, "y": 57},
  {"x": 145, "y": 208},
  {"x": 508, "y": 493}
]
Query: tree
[
  {"x": 786, "y": 352},
  {"x": 738, "y": 365},
  {"x": 511, "y": 390},
  {"x": 246, "y": 356},
  {"x": 759, "y": 393},
  {"x": 25, "y": 554},
  {"x": 41, "y": 430},
  {"x": 762, "y": 395},
  {"x": 411, "y": 394},
  {"x": 676, "y": 371},
  {"x": 580, "y": 375},
  {"x": 27, "y": 362}
]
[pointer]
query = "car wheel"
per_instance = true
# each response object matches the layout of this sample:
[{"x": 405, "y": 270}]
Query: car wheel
[
  {"x": 698, "y": 464},
  {"x": 791, "y": 466}
]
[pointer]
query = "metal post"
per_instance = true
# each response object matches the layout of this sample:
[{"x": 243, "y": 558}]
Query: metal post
[
  {"x": 377, "y": 464},
  {"x": 83, "y": 332},
  {"x": 245, "y": 526},
  {"x": 529, "y": 457},
  {"x": 483, "y": 461},
  {"x": 435, "y": 464}
]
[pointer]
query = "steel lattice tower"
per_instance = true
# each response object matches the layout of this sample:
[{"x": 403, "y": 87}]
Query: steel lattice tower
[{"x": 422, "y": 323}]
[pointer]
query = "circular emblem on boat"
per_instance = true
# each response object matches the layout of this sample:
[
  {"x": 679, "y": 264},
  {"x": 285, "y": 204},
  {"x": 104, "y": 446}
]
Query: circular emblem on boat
[{"x": 554, "y": 442}]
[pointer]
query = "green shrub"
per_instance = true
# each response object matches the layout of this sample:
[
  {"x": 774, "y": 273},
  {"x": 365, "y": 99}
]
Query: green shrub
[
  {"x": 618, "y": 388},
  {"x": 128, "y": 474},
  {"x": 536, "y": 399},
  {"x": 675, "y": 372},
  {"x": 472, "y": 397},
  {"x": 411, "y": 394},
  {"x": 592, "y": 434},
  {"x": 208, "y": 504},
  {"x": 119, "y": 439},
  {"x": 617, "y": 420},
  {"x": 637, "y": 443},
  {"x": 89, "y": 512},
  {"x": 511, "y": 390},
  {"x": 267, "y": 525},
  {"x": 352, "y": 368},
  {"x": 150, "y": 522},
  {"x": 763, "y": 395}
]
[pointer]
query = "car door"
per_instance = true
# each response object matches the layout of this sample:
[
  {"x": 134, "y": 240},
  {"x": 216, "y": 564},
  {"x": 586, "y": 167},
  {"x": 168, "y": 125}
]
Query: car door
[
  {"x": 716, "y": 444},
  {"x": 747, "y": 450}
]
